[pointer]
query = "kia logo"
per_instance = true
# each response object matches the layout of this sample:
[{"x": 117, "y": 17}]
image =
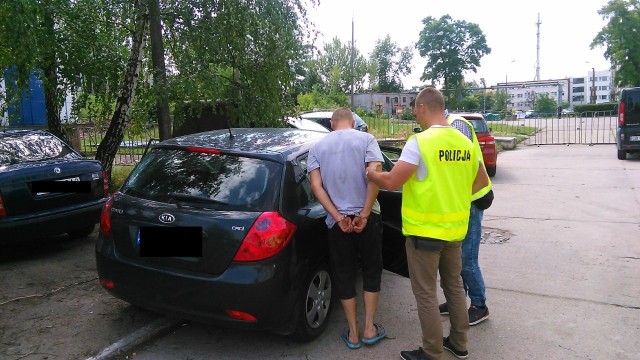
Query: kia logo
[
  {"x": 56, "y": 170},
  {"x": 167, "y": 218}
]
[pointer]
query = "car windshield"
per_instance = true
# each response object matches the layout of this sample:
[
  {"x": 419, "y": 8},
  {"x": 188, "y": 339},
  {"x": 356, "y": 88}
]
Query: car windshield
[
  {"x": 206, "y": 180},
  {"x": 32, "y": 146}
]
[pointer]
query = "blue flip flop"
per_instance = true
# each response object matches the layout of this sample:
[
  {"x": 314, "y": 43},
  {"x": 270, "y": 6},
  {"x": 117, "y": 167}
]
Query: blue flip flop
[
  {"x": 381, "y": 334},
  {"x": 345, "y": 338}
]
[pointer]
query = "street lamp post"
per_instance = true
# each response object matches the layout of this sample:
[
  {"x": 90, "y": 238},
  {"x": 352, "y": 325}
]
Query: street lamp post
[
  {"x": 506, "y": 89},
  {"x": 593, "y": 85}
]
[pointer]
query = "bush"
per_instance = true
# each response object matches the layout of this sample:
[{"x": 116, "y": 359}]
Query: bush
[{"x": 610, "y": 106}]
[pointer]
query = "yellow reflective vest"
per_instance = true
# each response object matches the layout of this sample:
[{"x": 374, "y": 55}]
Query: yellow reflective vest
[
  {"x": 438, "y": 207},
  {"x": 482, "y": 192}
]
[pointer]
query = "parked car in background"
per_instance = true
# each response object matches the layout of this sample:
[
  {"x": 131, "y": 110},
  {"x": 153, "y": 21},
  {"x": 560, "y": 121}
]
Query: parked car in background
[
  {"x": 486, "y": 140},
  {"x": 47, "y": 188},
  {"x": 628, "y": 129},
  {"x": 530, "y": 114},
  {"x": 305, "y": 124},
  {"x": 222, "y": 227},
  {"x": 324, "y": 118}
]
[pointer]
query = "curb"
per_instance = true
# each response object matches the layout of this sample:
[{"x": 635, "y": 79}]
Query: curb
[
  {"x": 508, "y": 143},
  {"x": 137, "y": 337}
]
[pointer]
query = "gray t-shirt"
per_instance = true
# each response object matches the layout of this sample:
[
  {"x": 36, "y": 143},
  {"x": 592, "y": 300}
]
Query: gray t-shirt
[{"x": 342, "y": 157}]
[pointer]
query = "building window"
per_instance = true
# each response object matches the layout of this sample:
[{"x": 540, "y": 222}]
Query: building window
[
  {"x": 578, "y": 81},
  {"x": 578, "y": 89},
  {"x": 519, "y": 95},
  {"x": 603, "y": 97},
  {"x": 387, "y": 99},
  {"x": 404, "y": 99}
]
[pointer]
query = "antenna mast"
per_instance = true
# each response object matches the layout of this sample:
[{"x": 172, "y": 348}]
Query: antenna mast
[
  {"x": 352, "y": 56},
  {"x": 537, "y": 77}
]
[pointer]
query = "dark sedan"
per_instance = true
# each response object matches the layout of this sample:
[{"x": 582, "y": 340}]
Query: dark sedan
[
  {"x": 46, "y": 188},
  {"x": 222, "y": 227}
]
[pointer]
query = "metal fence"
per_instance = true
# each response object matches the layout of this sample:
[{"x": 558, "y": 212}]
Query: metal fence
[
  {"x": 85, "y": 139},
  {"x": 585, "y": 128}
]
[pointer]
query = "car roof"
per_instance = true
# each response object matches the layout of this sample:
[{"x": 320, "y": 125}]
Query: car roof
[
  {"x": 273, "y": 143},
  {"x": 470, "y": 116},
  {"x": 328, "y": 114},
  {"x": 317, "y": 114},
  {"x": 12, "y": 132}
]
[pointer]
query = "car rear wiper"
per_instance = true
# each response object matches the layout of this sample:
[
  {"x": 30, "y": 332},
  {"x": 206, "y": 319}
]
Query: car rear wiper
[{"x": 188, "y": 198}]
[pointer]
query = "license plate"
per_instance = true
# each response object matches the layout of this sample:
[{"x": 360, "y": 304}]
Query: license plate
[
  {"x": 49, "y": 185},
  {"x": 635, "y": 138}
]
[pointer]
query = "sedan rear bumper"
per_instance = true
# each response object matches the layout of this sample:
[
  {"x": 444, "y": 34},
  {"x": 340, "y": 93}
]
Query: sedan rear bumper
[{"x": 51, "y": 223}]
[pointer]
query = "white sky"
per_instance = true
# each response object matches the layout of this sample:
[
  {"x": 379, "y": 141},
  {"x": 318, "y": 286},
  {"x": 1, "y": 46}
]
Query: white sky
[{"x": 567, "y": 29}]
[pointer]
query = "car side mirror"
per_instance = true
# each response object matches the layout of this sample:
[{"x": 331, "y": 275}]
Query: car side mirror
[{"x": 417, "y": 130}]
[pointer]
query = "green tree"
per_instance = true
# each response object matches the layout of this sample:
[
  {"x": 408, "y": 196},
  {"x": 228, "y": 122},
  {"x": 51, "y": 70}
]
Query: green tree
[
  {"x": 451, "y": 48},
  {"x": 388, "y": 64},
  {"x": 320, "y": 100},
  {"x": 334, "y": 66},
  {"x": 500, "y": 98},
  {"x": 621, "y": 40},
  {"x": 246, "y": 53},
  {"x": 70, "y": 55},
  {"x": 545, "y": 104}
]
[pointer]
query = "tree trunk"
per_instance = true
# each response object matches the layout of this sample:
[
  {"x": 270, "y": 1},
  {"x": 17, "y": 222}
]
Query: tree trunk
[
  {"x": 52, "y": 94},
  {"x": 109, "y": 145},
  {"x": 159, "y": 69}
]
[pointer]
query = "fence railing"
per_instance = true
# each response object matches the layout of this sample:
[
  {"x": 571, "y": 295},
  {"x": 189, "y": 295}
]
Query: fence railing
[{"x": 584, "y": 128}]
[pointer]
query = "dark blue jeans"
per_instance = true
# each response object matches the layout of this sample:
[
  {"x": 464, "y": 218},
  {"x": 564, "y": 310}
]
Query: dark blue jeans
[{"x": 471, "y": 274}]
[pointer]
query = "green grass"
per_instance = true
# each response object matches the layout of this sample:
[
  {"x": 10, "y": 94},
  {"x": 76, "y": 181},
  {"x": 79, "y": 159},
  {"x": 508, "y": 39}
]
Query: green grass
[
  {"x": 119, "y": 174},
  {"x": 511, "y": 130}
]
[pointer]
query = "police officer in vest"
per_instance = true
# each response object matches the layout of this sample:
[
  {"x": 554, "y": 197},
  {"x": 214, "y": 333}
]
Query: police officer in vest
[
  {"x": 471, "y": 274},
  {"x": 438, "y": 171}
]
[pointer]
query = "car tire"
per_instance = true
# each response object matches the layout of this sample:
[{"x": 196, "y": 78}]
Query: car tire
[
  {"x": 314, "y": 305},
  {"x": 80, "y": 233},
  {"x": 622, "y": 155},
  {"x": 491, "y": 171}
]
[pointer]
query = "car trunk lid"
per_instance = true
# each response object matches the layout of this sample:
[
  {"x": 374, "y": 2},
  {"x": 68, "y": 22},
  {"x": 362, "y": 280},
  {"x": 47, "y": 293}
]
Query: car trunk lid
[
  {"x": 220, "y": 232},
  {"x": 24, "y": 186}
]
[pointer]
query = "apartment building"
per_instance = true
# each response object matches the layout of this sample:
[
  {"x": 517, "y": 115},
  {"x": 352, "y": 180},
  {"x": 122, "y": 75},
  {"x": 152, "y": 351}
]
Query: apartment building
[{"x": 595, "y": 87}]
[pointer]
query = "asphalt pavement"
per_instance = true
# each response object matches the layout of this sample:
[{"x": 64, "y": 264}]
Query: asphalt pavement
[{"x": 561, "y": 261}]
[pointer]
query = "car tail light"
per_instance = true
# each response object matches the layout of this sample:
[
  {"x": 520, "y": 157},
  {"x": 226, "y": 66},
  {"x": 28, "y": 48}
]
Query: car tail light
[
  {"x": 240, "y": 315},
  {"x": 621, "y": 114},
  {"x": 267, "y": 236},
  {"x": 3, "y": 211},
  {"x": 107, "y": 283},
  {"x": 105, "y": 218},
  {"x": 105, "y": 183},
  {"x": 203, "y": 150}
]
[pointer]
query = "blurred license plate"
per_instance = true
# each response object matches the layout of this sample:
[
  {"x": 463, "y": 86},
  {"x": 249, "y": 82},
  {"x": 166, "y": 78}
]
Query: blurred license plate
[
  {"x": 635, "y": 138},
  {"x": 46, "y": 187}
]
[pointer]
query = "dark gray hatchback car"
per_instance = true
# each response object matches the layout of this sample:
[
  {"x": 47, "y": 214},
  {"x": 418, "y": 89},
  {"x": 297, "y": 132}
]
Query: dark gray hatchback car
[
  {"x": 222, "y": 227},
  {"x": 628, "y": 129}
]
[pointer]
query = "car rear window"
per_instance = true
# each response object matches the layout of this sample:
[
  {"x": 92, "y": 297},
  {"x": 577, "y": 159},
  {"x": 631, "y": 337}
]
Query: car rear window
[
  {"x": 479, "y": 126},
  {"x": 32, "y": 146},
  {"x": 206, "y": 180}
]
